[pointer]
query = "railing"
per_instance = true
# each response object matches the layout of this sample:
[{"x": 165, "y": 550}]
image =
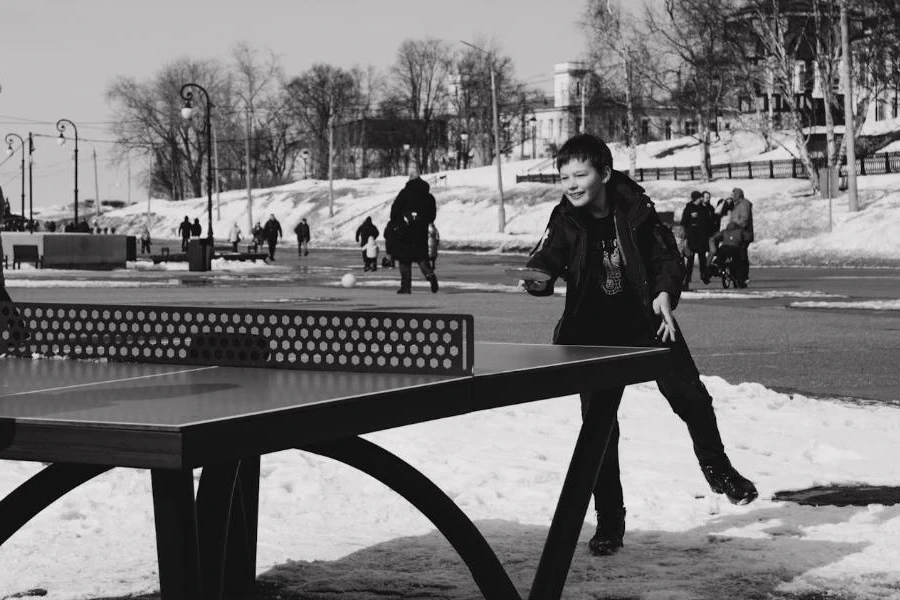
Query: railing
[{"x": 876, "y": 164}]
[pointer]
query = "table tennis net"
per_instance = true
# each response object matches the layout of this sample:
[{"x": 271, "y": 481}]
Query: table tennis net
[{"x": 371, "y": 341}]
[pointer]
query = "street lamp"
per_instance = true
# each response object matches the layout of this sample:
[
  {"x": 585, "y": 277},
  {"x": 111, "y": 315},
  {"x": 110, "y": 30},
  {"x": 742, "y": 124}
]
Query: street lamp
[
  {"x": 187, "y": 113},
  {"x": 501, "y": 211},
  {"x": 533, "y": 121},
  {"x": 30, "y": 184},
  {"x": 406, "y": 158},
  {"x": 464, "y": 137},
  {"x": 9, "y": 150},
  {"x": 61, "y": 127}
]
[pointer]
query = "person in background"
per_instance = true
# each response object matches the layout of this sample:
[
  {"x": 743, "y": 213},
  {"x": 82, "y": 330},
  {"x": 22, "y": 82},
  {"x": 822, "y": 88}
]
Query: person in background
[
  {"x": 196, "y": 229},
  {"x": 184, "y": 230},
  {"x": 272, "y": 231},
  {"x": 388, "y": 262},
  {"x": 707, "y": 204},
  {"x": 258, "y": 234},
  {"x": 696, "y": 225},
  {"x": 434, "y": 240},
  {"x": 623, "y": 279},
  {"x": 741, "y": 218},
  {"x": 303, "y": 237},
  {"x": 145, "y": 240},
  {"x": 363, "y": 233},
  {"x": 371, "y": 253},
  {"x": 234, "y": 236},
  {"x": 411, "y": 213}
]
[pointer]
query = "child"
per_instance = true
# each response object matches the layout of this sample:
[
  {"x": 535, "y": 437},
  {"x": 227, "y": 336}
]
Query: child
[
  {"x": 371, "y": 249},
  {"x": 623, "y": 278},
  {"x": 434, "y": 240}
]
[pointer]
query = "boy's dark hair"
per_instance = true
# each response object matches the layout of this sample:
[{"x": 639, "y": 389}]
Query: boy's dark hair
[
  {"x": 695, "y": 195},
  {"x": 586, "y": 147}
]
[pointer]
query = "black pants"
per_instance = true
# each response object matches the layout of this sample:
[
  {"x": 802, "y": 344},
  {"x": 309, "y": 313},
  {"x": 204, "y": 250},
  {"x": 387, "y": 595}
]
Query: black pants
[
  {"x": 406, "y": 272},
  {"x": 272, "y": 244},
  {"x": 4, "y": 296},
  {"x": 184, "y": 243},
  {"x": 742, "y": 264},
  {"x": 689, "y": 399},
  {"x": 145, "y": 246},
  {"x": 689, "y": 265}
]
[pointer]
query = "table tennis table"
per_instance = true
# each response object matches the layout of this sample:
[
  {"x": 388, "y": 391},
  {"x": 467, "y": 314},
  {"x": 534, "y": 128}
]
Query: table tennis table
[{"x": 171, "y": 389}]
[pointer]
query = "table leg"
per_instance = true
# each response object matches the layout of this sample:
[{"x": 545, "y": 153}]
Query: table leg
[
  {"x": 240, "y": 556},
  {"x": 568, "y": 519},
  {"x": 177, "y": 545}
]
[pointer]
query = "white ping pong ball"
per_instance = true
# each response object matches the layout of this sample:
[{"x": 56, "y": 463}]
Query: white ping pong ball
[{"x": 348, "y": 280}]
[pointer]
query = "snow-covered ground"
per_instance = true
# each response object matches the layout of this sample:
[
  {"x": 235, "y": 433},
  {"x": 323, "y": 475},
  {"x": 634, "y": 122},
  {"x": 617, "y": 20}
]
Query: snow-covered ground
[
  {"x": 504, "y": 468},
  {"x": 792, "y": 226}
]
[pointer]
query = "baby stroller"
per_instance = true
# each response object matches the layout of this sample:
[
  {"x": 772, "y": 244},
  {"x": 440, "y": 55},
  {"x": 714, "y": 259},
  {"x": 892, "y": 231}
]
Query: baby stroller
[{"x": 726, "y": 256}]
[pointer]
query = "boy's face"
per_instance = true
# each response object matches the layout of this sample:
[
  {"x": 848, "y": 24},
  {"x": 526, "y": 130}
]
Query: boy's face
[{"x": 582, "y": 184}]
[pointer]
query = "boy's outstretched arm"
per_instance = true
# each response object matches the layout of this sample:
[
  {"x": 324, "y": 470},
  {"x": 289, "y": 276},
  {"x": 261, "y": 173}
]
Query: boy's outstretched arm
[{"x": 550, "y": 255}]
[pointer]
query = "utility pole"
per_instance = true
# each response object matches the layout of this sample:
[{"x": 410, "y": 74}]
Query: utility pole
[
  {"x": 128, "y": 164},
  {"x": 150, "y": 183},
  {"x": 96, "y": 185},
  {"x": 501, "y": 210},
  {"x": 582, "y": 129},
  {"x": 30, "y": 184},
  {"x": 247, "y": 174},
  {"x": 331, "y": 160},
  {"x": 848, "y": 111}
]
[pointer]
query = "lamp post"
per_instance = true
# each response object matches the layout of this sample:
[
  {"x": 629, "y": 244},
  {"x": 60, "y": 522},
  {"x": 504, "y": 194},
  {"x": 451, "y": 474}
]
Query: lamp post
[
  {"x": 406, "y": 158},
  {"x": 30, "y": 184},
  {"x": 533, "y": 121},
  {"x": 9, "y": 150},
  {"x": 304, "y": 154},
  {"x": 187, "y": 113},
  {"x": 464, "y": 137},
  {"x": 501, "y": 211},
  {"x": 61, "y": 127}
]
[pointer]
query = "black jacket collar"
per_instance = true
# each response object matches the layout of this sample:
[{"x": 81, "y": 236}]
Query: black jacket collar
[{"x": 627, "y": 198}]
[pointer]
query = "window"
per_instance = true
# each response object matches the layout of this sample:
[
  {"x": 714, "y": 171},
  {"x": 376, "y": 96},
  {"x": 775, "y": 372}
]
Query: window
[
  {"x": 690, "y": 128},
  {"x": 895, "y": 107},
  {"x": 880, "y": 110},
  {"x": 611, "y": 127},
  {"x": 645, "y": 128},
  {"x": 668, "y": 129},
  {"x": 550, "y": 129},
  {"x": 560, "y": 128}
]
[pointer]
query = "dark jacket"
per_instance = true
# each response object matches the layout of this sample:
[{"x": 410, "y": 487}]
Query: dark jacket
[
  {"x": 272, "y": 230},
  {"x": 196, "y": 228},
  {"x": 741, "y": 217},
  {"x": 365, "y": 231},
  {"x": 185, "y": 229},
  {"x": 652, "y": 261},
  {"x": 412, "y": 211},
  {"x": 696, "y": 222},
  {"x": 302, "y": 231}
]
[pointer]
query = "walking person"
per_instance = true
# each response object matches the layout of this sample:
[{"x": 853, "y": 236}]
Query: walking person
[
  {"x": 741, "y": 218},
  {"x": 272, "y": 231},
  {"x": 303, "y": 237},
  {"x": 234, "y": 236},
  {"x": 371, "y": 255},
  {"x": 184, "y": 230},
  {"x": 411, "y": 213},
  {"x": 623, "y": 279},
  {"x": 145, "y": 241},
  {"x": 363, "y": 233},
  {"x": 258, "y": 235},
  {"x": 196, "y": 229},
  {"x": 696, "y": 225},
  {"x": 434, "y": 240}
]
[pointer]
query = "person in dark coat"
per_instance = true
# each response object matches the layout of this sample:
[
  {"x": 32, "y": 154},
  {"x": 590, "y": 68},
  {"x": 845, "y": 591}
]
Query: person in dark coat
[
  {"x": 196, "y": 228},
  {"x": 272, "y": 231},
  {"x": 696, "y": 225},
  {"x": 623, "y": 276},
  {"x": 185, "y": 231},
  {"x": 412, "y": 211},
  {"x": 363, "y": 233},
  {"x": 303, "y": 237}
]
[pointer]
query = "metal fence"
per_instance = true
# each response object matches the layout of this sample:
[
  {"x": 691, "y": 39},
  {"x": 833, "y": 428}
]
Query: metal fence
[{"x": 877, "y": 164}]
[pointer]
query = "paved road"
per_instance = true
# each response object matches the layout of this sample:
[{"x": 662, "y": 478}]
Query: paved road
[{"x": 754, "y": 337}]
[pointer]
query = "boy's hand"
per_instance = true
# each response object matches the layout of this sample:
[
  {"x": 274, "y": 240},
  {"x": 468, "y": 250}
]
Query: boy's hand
[
  {"x": 662, "y": 306},
  {"x": 534, "y": 286}
]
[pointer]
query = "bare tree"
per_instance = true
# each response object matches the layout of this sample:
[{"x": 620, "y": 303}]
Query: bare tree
[
  {"x": 616, "y": 50},
  {"x": 317, "y": 99},
  {"x": 692, "y": 34},
  {"x": 420, "y": 79}
]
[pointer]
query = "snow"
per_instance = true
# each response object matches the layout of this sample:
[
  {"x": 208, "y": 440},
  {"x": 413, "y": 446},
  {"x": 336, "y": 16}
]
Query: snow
[
  {"x": 507, "y": 476},
  {"x": 867, "y": 305}
]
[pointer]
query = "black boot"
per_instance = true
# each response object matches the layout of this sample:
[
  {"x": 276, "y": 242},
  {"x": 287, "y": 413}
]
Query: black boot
[
  {"x": 724, "y": 479},
  {"x": 432, "y": 279},
  {"x": 610, "y": 532}
]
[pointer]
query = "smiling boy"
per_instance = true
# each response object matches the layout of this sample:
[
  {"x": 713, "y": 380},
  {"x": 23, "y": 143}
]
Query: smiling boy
[{"x": 623, "y": 278}]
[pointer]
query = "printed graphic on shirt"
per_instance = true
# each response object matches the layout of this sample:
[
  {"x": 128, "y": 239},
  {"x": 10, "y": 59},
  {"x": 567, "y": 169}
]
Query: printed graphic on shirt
[{"x": 612, "y": 283}]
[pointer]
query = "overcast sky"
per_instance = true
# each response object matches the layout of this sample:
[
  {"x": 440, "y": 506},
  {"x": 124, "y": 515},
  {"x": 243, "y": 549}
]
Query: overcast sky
[{"x": 58, "y": 56}]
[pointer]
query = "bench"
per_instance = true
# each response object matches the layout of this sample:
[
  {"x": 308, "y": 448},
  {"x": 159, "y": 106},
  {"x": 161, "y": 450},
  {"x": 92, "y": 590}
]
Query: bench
[
  {"x": 26, "y": 253},
  {"x": 242, "y": 256},
  {"x": 167, "y": 256}
]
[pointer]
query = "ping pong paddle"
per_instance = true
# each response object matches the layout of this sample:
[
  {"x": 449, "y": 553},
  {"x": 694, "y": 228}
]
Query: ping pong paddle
[{"x": 527, "y": 273}]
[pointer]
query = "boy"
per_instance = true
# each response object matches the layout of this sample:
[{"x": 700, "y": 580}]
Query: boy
[{"x": 623, "y": 279}]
